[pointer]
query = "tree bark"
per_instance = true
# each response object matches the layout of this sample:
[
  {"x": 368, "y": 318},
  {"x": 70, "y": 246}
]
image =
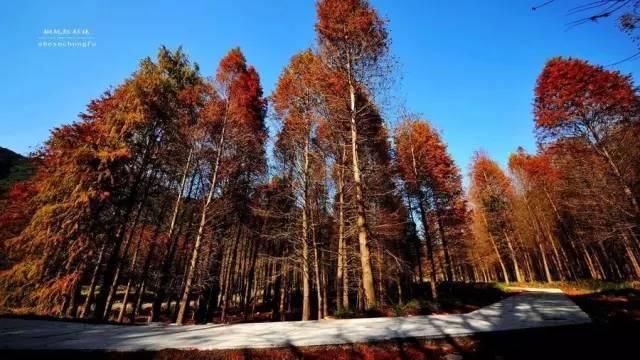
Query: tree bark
[
  {"x": 203, "y": 221},
  {"x": 429, "y": 244},
  {"x": 306, "y": 286},
  {"x": 495, "y": 248},
  {"x": 342, "y": 281},
  {"x": 361, "y": 221},
  {"x": 92, "y": 284}
]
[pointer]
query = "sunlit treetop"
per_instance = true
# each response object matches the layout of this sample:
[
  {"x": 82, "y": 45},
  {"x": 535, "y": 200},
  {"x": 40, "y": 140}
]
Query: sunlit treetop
[
  {"x": 351, "y": 31},
  {"x": 576, "y": 98}
]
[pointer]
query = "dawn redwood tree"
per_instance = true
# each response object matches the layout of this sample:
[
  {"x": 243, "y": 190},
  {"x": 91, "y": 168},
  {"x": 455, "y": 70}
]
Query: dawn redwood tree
[
  {"x": 353, "y": 40},
  {"x": 430, "y": 175},
  {"x": 76, "y": 196},
  {"x": 171, "y": 93},
  {"x": 297, "y": 101},
  {"x": 237, "y": 136},
  {"x": 491, "y": 194},
  {"x": 575, "y": 99},
  {"x": 533, "y": 177}
]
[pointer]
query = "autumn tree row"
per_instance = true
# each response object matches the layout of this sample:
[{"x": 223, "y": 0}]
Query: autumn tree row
[
  {"x": 162, "y": 202},
  {"x": 570, "y": 211},
  {"x": 158, "y": 202}
]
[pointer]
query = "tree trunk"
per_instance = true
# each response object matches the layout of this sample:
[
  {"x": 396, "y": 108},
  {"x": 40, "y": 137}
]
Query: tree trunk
[
  {"x": 631, "y": 255},
  {"x": 547, "y": 273},
  {"x": 316, "y": 266},
  {"x": 127, "y": 242},
  {"x": 361, "y": 221},
  {"x": 203, "y": 221},
  {"x": 224, "y": 302},
  {"x": 306, "y": 286},
  {"x": 512, "y": 253},
  {"x": 342, "y": 285},
  {"x": 167, "y": 261},
  {"x": 429, "y": 243},
  {"x": 626, "y": 189},
  {"x": 92, "y": 284},
  {"x": 125, "y": 298},
  {"x": 445, "y": 248},
  {"x": 495, "y": 248}
]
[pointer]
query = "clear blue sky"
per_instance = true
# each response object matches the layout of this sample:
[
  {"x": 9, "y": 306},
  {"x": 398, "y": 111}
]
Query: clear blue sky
[{"x": 468, "y": 66}]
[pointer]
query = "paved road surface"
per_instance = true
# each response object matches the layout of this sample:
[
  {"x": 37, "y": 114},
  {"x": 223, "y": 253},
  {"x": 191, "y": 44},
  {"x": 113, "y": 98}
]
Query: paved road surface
[{"x": 528, "y": 310}]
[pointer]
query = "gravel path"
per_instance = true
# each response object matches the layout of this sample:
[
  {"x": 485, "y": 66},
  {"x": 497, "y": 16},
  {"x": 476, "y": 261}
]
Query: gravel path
[{"x": 531, "y": 309}]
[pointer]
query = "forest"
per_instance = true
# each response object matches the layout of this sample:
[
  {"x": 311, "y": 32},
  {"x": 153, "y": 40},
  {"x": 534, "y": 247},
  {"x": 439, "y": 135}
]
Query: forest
[{"x": 171, "y": 198}]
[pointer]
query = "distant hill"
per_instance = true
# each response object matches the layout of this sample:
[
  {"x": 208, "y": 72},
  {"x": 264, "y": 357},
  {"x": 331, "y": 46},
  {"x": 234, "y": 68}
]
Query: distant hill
[{"x": 13, "y": 167}]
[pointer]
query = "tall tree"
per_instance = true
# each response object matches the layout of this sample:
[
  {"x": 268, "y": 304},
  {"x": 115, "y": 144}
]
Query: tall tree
[
  {"x": 577, "y": 99},
  {"x": 353, "y": 39},
  {"x": 297, "y": 100},
  {"x": 433, "y": 179}
]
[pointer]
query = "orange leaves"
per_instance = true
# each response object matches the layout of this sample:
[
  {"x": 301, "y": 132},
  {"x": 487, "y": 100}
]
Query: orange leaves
[
  {"x": 422, "y": 156},
  {"x": 535, "y": 168},
  {"x": 298, "y": 99},
  {"x": 351, "y": 28},
  {"x": 242, "y": 109},
  {"x": 488, "y": 182},
  {"x": 230, "y": 66},
  {"x": 573, "y": 97}
]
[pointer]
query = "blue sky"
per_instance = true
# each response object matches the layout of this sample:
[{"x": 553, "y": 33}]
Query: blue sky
[{"x": 467, "y": 66}]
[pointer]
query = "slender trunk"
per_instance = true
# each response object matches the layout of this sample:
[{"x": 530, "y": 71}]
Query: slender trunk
[
  {"x": 429, "y": 243},
  {"x": 626, "y": 189},
  {"x": 283, "y": 290},
  {"x": 125, "y": 298},
  {"x": 591, "y": 266},
  {"x": 631, "y": 255},
  {"x": 306, "y": 286},
  {"x": 143, "y": 280},
  {"x": 545, "y": 265},
  {"x": 495, "y": 248},
  {"x": 556, "y": 255},
  {"x": 203, "y": 221},
  {"x": 342, "y": 283},
  {"x": 325, "y": 303},
  {"x": 229, "y": 275},
  {"x": 114, "y": 258},
  {"x": 425, "y": 226},
  {"x": 445, "y": 248},
  {"x": 92, "y": 284},
  {"x": 316, "y": 266},
  {"x": 139, "y": 299},
  {"x": 512, "y": 253},
  {"x": 127, "y": 242},
  {"x": 167, "y": 261},
  {"x": 76, "y": 292},
  {"x": 418, "y": 248},
  {"x": 361, "y": 221}
]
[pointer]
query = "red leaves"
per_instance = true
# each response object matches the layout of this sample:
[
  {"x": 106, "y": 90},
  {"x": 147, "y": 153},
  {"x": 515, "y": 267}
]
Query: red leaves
[
  {"x": 243, "y": 107},
  {"x": 230, "y": 66},
  {"x": 535, "y": 168},
  {"x": 351, "y": 26},
  {"x": 423, "y": 158},
  {"x": 572, "y": 94},
  {"x": 15, "y": 215},
  {"x": 488, "y": 179}
]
